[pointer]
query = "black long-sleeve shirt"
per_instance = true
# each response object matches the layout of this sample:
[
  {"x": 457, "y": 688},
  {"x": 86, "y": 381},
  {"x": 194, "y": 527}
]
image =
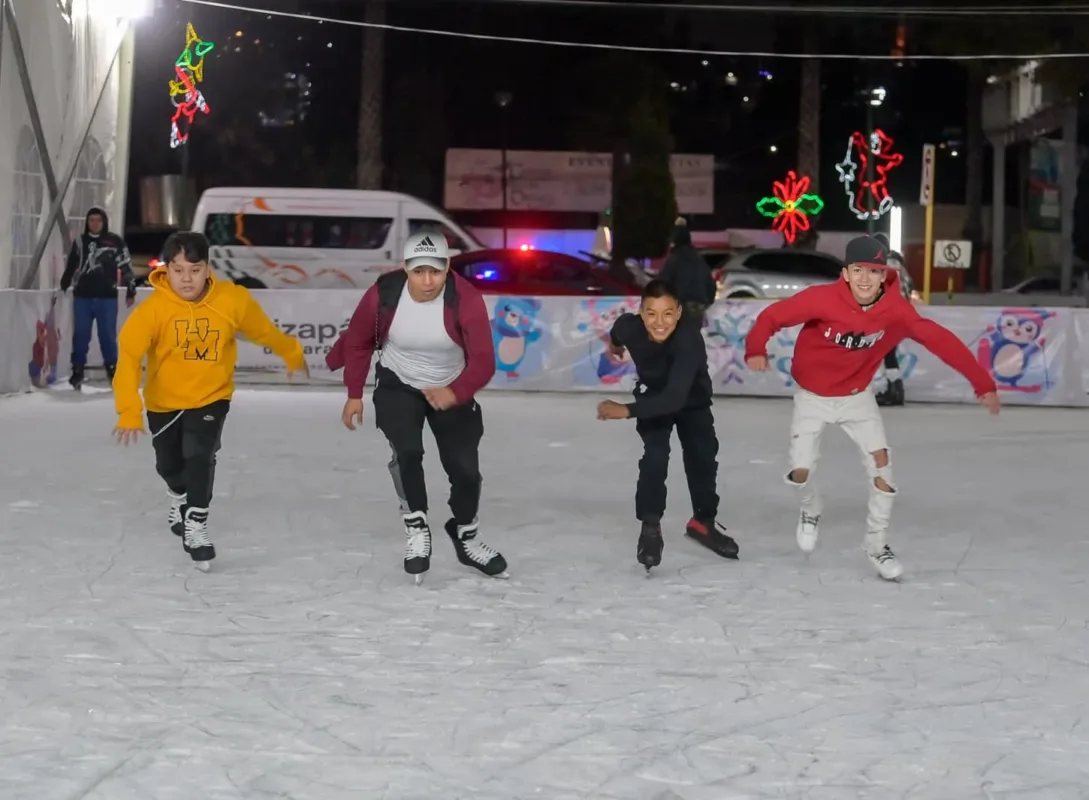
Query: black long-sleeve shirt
[{"x": 673, "y": 374}]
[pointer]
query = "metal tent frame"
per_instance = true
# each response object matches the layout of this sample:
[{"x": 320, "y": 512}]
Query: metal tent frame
[{"x": 57, "y": 189}]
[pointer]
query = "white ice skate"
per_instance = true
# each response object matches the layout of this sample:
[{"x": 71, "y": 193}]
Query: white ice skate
[
  {"x": 882, "y": 557},
  {"x": 808, "y": 531}
]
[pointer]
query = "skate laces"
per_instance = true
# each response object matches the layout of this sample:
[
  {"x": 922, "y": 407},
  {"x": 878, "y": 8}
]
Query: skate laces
[
  {"x": 175, "y": 514},
  {"x": 196, "y": 531},
  {"x": 475, "y": 549},
  {"x": 884, "y": 555},
  {"x": 811, "y": 519},
  {"x": 418, "y": 538}
]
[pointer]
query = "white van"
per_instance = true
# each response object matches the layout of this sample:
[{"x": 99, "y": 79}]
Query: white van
[{"x": 315, "y": 238}]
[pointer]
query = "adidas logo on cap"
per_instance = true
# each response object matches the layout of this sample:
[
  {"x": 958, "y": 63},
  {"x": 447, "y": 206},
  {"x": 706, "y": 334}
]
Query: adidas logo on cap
[{"x": 425, "y": 246}]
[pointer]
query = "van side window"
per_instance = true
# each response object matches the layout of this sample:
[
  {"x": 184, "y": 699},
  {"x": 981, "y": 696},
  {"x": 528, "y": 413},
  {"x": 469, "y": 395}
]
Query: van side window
[
  {"x": 453, "y": 241},
  {"x": 290, "y": 230}
]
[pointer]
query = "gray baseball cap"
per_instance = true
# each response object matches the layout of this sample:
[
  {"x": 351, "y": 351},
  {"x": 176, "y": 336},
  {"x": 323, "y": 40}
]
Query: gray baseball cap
[{"x": 427, "y": 249}]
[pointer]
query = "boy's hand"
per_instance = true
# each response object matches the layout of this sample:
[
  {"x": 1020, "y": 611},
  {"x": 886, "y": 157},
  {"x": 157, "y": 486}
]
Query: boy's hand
[
  {"x": 990, "y": 402},
  {"x": 441, "y": 399},
  {"x": 616, "y": 350},
  {"x": 757, "y": 363},
  {"x": 610, "y": 409},
  {"x": 352, "y": 413},
  {"x": 291, "y": 373},
  {"x": 127, "y": 436}
]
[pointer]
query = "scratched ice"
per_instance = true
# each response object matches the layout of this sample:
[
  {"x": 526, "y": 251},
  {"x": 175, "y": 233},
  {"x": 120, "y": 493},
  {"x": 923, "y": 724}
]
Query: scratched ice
[{"x": 309, "y": 667}]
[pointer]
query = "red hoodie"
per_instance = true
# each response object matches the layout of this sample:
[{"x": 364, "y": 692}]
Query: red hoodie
[
  {"x": 467, "y": 322},
  {"x": 841, "y": 344}
]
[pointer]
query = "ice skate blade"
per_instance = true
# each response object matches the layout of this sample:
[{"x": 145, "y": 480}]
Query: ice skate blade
[
  {"x": 502, "y": 576},
  {"x": 203, "y": 566},
  {"x": 419, "y": 579}
]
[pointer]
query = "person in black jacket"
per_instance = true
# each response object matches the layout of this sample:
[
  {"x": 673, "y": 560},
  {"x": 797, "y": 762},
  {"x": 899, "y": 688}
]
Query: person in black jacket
[
  {"x": 674, "y": 390},
  {"x": 95, "y": 262},
  {"x": 688, "y": 274},
  {"x": 893, "y": 394}
]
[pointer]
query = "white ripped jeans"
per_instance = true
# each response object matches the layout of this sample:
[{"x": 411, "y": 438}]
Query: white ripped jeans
[{"x": 859, "y": 417}]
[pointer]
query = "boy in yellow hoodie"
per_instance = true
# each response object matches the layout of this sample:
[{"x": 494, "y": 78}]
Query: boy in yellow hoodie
[{"x": 187, "y": 329}]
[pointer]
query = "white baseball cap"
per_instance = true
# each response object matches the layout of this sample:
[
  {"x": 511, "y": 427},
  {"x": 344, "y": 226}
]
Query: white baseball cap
[{"x": 427, "y": 249}]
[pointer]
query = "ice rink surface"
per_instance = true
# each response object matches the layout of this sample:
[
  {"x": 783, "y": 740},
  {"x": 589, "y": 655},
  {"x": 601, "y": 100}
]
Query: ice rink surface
[{"x": 307, "y": 666}]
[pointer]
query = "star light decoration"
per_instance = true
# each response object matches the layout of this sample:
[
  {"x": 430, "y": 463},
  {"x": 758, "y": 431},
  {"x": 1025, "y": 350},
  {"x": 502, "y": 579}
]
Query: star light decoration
[
  {"x": 184, "y": 94},
  {"x": 866, "y": 199},
  {"x": 791, "y": 206}
]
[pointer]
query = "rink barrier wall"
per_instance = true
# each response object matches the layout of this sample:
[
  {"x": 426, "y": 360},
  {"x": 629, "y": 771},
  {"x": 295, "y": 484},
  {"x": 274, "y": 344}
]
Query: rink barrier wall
[{"x": 1039, "y": 356}]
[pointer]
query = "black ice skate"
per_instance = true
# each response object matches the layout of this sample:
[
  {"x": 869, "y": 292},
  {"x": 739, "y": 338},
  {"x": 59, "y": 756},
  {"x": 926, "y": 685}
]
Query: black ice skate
[
  {"x": 893, "y": 395},
  {"x": 417, "y": 544},
  {"x": 196, "y": 541},
  {"x": 649, "y": 549},
  {"x": 176, "y": 516},
  {"x": 110, "y": 372},
  {"x": 472, "y": 552},
  {"x": 76, "y": 378},
  {"x": 712, "y": 535}
]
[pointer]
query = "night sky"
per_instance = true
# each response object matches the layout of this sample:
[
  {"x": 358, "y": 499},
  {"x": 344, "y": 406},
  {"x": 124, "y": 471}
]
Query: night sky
[{"x": 440, "y": 93}]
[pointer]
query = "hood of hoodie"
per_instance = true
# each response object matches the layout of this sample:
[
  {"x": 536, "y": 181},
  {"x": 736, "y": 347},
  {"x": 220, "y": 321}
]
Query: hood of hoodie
[
  {"x": 159, "y": 279},
  {"x": 105, "y": 221}
]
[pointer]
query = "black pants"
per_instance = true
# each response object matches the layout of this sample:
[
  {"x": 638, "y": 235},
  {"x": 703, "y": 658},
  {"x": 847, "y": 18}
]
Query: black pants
[
  {"x": 699, "y": 450},
  {"x": 892, "y": 360},
  {"x": 400, "y": 412},
  {"x": 186, "y": 443}
]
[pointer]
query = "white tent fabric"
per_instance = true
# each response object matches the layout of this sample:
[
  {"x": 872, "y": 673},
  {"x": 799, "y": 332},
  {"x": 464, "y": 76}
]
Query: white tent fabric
[{"x": 63, "y": 74}]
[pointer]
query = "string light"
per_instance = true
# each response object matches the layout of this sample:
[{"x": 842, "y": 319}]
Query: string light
[
  {"x": 868, "y": 199},
  {"x": 791, "y": 206},
  {"x": 484, "y": 37},
  {"x": 184, "y": 94}
]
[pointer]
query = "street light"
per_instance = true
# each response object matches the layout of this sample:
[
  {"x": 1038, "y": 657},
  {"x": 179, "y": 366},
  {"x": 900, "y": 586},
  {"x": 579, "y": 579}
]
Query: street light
[{"x": 503, "y": 100}]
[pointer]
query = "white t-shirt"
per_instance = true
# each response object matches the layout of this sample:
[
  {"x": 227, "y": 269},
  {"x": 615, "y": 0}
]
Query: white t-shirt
[{"x": 418, "y": 350}]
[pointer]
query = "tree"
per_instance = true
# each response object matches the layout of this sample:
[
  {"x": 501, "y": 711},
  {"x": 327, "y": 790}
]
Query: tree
[
  {"x": 645, "y": 200},
  {"x": 369, "y": 156},
  {"x": 628, "y": 115}
]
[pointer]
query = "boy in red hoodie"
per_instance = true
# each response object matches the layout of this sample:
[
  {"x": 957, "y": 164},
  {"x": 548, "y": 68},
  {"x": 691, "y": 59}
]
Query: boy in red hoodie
[{"x": 848, "y": 327}]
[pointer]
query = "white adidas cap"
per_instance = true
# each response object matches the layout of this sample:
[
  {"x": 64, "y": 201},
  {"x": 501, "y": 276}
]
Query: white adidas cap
[{"x": 427, "y": 249}]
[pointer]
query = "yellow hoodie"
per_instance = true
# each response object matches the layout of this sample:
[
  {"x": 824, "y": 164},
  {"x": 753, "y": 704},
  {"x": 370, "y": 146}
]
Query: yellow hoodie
[{"x": 190, "y": 347}]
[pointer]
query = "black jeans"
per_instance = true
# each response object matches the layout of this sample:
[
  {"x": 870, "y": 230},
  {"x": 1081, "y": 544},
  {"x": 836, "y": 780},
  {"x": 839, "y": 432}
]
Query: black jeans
[
  {"x": 699, "y": 450},
  {"x": 892, "y": 360},
  {"x": 400, "y": 412},
  {"x": 186, "y": 443}
]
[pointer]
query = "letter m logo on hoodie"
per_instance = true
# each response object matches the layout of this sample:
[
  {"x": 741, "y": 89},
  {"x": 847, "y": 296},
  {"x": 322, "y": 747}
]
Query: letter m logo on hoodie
[{"x": 198, "y": 339}]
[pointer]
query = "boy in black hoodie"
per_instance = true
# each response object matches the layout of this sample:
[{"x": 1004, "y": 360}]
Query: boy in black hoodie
[
  {"x": 674, "y": 391},
  {"x": 97, "y": 260}
]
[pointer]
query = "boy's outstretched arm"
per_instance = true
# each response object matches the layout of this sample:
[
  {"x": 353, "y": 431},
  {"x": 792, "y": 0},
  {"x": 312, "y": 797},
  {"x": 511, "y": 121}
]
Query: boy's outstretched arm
[
  {"x": 133, "y": 344},
  {"x": 257, "y": 327},
  {"x": 943, "y": 343},
  {"x": 785, "y": 313}
]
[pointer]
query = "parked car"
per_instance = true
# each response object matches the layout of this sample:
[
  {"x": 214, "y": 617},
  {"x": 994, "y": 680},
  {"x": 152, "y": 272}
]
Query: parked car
[
  {"x": 538, "y": 272},
  {"x": 771, "y": 274},
  {"x": 146, "y": 247}
]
